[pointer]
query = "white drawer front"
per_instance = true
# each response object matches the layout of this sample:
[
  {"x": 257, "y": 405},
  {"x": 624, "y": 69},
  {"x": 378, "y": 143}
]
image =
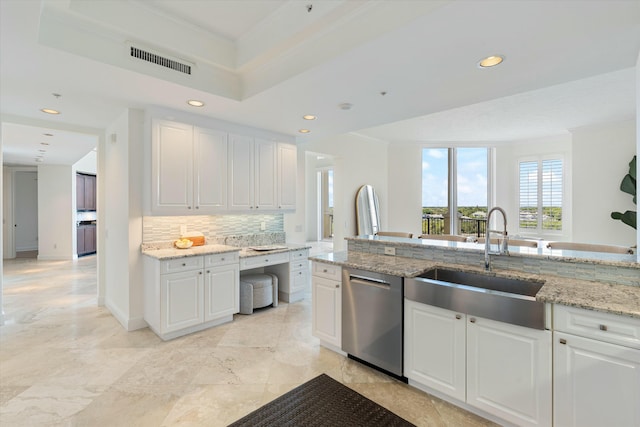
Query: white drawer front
[
  {"x": 181, "y": 264},
  {"x": 299, "y": 280},
  {"x": 299, "y": 265},
  {"x": 299, "y": 254},
  {"x": 221, "y": 259},
  {"x": 597, "y": 325},
  {"x": 263, "y": 260},
  {"x": 329, "y": 271}
]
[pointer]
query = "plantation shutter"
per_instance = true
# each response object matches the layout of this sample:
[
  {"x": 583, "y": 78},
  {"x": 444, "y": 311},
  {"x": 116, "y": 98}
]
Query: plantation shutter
[
  {"x": 528, "y": 215},
  {"x": 552, "y": 194}
]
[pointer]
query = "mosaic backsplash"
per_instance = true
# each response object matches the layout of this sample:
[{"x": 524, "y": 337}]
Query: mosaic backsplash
[
  {"x": 575, "y": 270},
  {"x": 214, "y": 227}
]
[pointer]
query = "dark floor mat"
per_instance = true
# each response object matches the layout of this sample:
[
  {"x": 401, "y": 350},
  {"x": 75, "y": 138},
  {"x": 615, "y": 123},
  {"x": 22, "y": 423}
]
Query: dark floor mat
[{"x": 322, "y": 401}]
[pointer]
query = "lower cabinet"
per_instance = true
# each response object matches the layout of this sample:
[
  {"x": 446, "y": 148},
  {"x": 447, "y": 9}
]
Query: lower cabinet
[
  {"x": 327, "y": 304},
  {"x": 190, "y": 294},
  {"x": 502, "y": 369},
  {"x": 293, "y": 276},
  {"x": 86, "y": 239},
  {"x": 596, "y": 359}
]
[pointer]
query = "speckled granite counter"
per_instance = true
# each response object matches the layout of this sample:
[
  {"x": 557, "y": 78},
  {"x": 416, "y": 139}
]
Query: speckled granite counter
[
  {"x": 164, "y": 251},
  {"x": 592, "y": 295}
]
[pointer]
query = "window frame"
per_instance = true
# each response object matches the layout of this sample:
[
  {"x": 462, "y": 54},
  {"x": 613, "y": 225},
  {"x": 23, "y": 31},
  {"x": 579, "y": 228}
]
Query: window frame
[{"x": 539, "y": 232}]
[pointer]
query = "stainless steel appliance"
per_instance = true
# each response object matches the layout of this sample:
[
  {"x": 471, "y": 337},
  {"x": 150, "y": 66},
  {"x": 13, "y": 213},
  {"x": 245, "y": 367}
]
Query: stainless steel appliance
[{"x": 372, "y": 316}]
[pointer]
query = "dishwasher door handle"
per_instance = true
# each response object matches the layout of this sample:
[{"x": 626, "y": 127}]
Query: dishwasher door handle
[{"x": 369, "y": 282}]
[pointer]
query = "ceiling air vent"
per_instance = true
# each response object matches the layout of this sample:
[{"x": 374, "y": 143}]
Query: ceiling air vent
[{"x": 160, "y": 60}]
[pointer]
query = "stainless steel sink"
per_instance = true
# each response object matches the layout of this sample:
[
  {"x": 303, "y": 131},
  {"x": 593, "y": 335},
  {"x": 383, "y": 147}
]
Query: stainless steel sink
[{"x": 493, "y": 297}]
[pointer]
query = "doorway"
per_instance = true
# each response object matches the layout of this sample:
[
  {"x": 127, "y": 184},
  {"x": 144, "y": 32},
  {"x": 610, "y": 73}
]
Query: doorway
[
  {"x": 25, "y": 217},
  {"x": 325, "y": 204}
]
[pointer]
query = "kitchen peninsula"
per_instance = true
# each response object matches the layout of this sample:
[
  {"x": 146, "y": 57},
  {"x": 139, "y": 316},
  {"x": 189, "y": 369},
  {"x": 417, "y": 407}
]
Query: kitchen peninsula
[{"x": 508, "y": 373}]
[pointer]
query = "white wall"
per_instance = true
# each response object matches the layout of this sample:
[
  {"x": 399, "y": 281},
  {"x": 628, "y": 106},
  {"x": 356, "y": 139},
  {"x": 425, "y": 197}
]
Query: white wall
[
  {"x": 87, "y": 164},
  {"x": 56, "y": 219},
  {"x": 358, "y": 161},
  {"x": 405, "y": 189},
  {"x": 506, "y": 178},
  {"x": 123, "y": 229},
  {"x": 601, "y": 156}
]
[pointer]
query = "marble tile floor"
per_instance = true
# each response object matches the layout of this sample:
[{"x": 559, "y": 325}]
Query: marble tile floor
[{"x": 64, "y": 361}]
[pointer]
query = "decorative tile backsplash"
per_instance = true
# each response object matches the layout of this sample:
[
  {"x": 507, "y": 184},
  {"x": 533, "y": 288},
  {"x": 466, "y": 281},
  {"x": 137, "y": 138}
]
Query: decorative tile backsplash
[{"x": 214, "y": 227}]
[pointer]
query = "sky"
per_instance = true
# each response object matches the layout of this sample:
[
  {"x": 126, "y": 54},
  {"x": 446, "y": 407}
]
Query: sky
[{"x": 472, "y": 176}]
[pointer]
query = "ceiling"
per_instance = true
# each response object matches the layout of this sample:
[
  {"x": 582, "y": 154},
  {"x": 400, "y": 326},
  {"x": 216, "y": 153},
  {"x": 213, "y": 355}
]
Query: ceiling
[{"x": 407, "y": 67}]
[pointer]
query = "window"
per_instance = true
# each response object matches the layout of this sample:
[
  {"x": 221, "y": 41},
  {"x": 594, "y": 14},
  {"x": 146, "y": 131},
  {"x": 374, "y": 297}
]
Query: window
[
  {"x": 541, "y": 195},
  {"x": 454, "y": 180}
]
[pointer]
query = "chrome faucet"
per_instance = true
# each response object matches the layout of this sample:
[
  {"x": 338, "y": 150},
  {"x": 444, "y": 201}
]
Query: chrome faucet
[{"x": 503, "y": 248}]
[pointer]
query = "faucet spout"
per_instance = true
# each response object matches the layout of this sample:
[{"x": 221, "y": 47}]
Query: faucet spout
[{"x": 503, "y": 247}]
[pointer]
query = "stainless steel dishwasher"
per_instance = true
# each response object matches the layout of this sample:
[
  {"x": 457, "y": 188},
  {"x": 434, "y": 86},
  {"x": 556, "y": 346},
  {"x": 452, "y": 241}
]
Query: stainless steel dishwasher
[{"x": 372, "y": 316}]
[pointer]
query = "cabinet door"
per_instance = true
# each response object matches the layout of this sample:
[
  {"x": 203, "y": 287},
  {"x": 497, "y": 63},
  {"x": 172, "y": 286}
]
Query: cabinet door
[
  {"x": 172, "y": 167},
  {"x": 181, "y": 300},
  {"x": 241, "y": 173},
  {"x": 80, "y": 249},
  {"x": 80, "y": 190},
  {"x": 90, "y": 192},
  {"x": 509, "y": 371},
  {"x": 210, "y": 170},
  {"x": 265, "y": 174},
  {"x": 221, "y": 292},
  {"x": 327, "y": 310},
  {"x": 287, "y": 176},
  {"x": 595, "y": 383},
  {"x": 434, "y": 348},
  {"x": 90, "y": 239}
]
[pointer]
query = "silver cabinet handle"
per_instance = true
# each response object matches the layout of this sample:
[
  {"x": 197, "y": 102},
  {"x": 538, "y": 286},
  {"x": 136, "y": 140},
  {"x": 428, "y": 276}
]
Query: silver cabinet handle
[
  {"x": 184, "y": 264},
  {"x": 337, "y": 286},
  {"x": 472, "y": 320},
  {"x": 603, "y": 327},
  {"x": 197, "y": 207},
  {"x": 188, "y": 207},
  {"x": 563, "y": 341},
  {"x": 200, "y": 272},
  {"x": 458, "y": 316},
  {"x": 221, "y": 259},
  {"x": 324, "y": 271}
]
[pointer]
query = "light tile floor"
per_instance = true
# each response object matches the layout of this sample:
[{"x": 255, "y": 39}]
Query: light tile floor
[{"x": 64, "y": 361}]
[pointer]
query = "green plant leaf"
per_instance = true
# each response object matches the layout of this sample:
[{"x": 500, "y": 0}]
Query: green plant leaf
[
  {"x": 632, "y": 168},
  {"x": 628, "y": 185}
]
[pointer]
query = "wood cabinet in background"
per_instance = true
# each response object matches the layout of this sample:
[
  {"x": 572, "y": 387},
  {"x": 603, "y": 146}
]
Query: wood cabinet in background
[
  {"x": 86, "y": 239},
  {"x": 85, "y": 192}
]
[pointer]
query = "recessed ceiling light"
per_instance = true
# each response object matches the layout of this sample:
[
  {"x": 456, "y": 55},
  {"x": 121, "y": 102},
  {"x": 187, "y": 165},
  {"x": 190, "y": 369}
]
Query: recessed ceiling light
[
  {"x": 39, "y": 159},
  {"x": 491, "y": 61},
  {"x": 304, "y": 131},
  {"x": 42, "y": 150},
  {"x": 44, "y": 143},
  {"x": 345, "y": 106},
  {"x": 309, "y": 117},
  {"x": 195, "y": 103},
  {"x": 50, "y": 111},
  {"x": 47, "y": 134}
]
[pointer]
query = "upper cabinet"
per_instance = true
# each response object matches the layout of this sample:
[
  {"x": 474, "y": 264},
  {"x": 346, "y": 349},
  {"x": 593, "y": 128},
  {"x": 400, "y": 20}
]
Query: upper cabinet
[
  {"x": 85, "y": 192},
  {"x": 189, "y": 169},
  {"x": 206, "y": 171},
  {"x": 287, "y": 176}
]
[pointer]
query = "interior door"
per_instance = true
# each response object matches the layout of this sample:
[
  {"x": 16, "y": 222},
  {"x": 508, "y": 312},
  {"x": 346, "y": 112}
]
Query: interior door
[{"x": 26, "y": 211}]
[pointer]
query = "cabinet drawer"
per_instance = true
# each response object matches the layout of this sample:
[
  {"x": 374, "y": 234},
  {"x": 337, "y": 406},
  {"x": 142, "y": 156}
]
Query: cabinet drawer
[
  {"x": 597, "y": 325},
  {"x": 297, "y": 265},
  {"x": 299, "y": 254},
  {"x": 264, "y": 260},
  {"x": 181, "y": 264},
  {"x": 329, "y": 271},
  {"x": 221, "y": 259},
  {"x": 299, "y": 280}
]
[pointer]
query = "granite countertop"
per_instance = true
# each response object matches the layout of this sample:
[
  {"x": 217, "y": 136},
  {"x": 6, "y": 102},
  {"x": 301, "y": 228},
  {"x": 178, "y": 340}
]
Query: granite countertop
[
  {"x": 168, "y": 251},
  {"x": 591, "y": 295}
]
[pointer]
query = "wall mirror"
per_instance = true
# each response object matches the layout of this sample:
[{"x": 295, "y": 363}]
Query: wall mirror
[{"x": 367, "y": 211}]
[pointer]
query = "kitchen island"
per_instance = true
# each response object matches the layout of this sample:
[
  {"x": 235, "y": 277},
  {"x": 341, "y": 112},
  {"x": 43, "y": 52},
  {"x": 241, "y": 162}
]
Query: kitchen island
[{"x": 508, "y": 373}]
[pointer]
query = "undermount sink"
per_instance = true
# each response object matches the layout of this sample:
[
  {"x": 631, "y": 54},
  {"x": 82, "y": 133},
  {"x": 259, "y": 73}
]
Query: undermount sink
[{"x": 493, "y": 297}]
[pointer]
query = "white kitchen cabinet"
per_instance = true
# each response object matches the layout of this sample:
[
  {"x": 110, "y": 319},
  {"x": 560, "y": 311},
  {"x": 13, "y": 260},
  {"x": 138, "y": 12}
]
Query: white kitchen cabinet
[
  {"x": 189, "y": 169},
  {"x": 502, "y": 369},
  {"x": 181, "y": 300},
  {"x": 509, "y": 371},
  {"x": 435, "y": 348},
  {"x": 596, "y": 368},
  {"x": 326, "y": 301},
  {"x": 221, "y": 291},
  {"x": 189, "y": 294},
  {"x": 293, "y": 277},
  {"x": 287, "y": 176},
  {"x": 252, "y": 174}
]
